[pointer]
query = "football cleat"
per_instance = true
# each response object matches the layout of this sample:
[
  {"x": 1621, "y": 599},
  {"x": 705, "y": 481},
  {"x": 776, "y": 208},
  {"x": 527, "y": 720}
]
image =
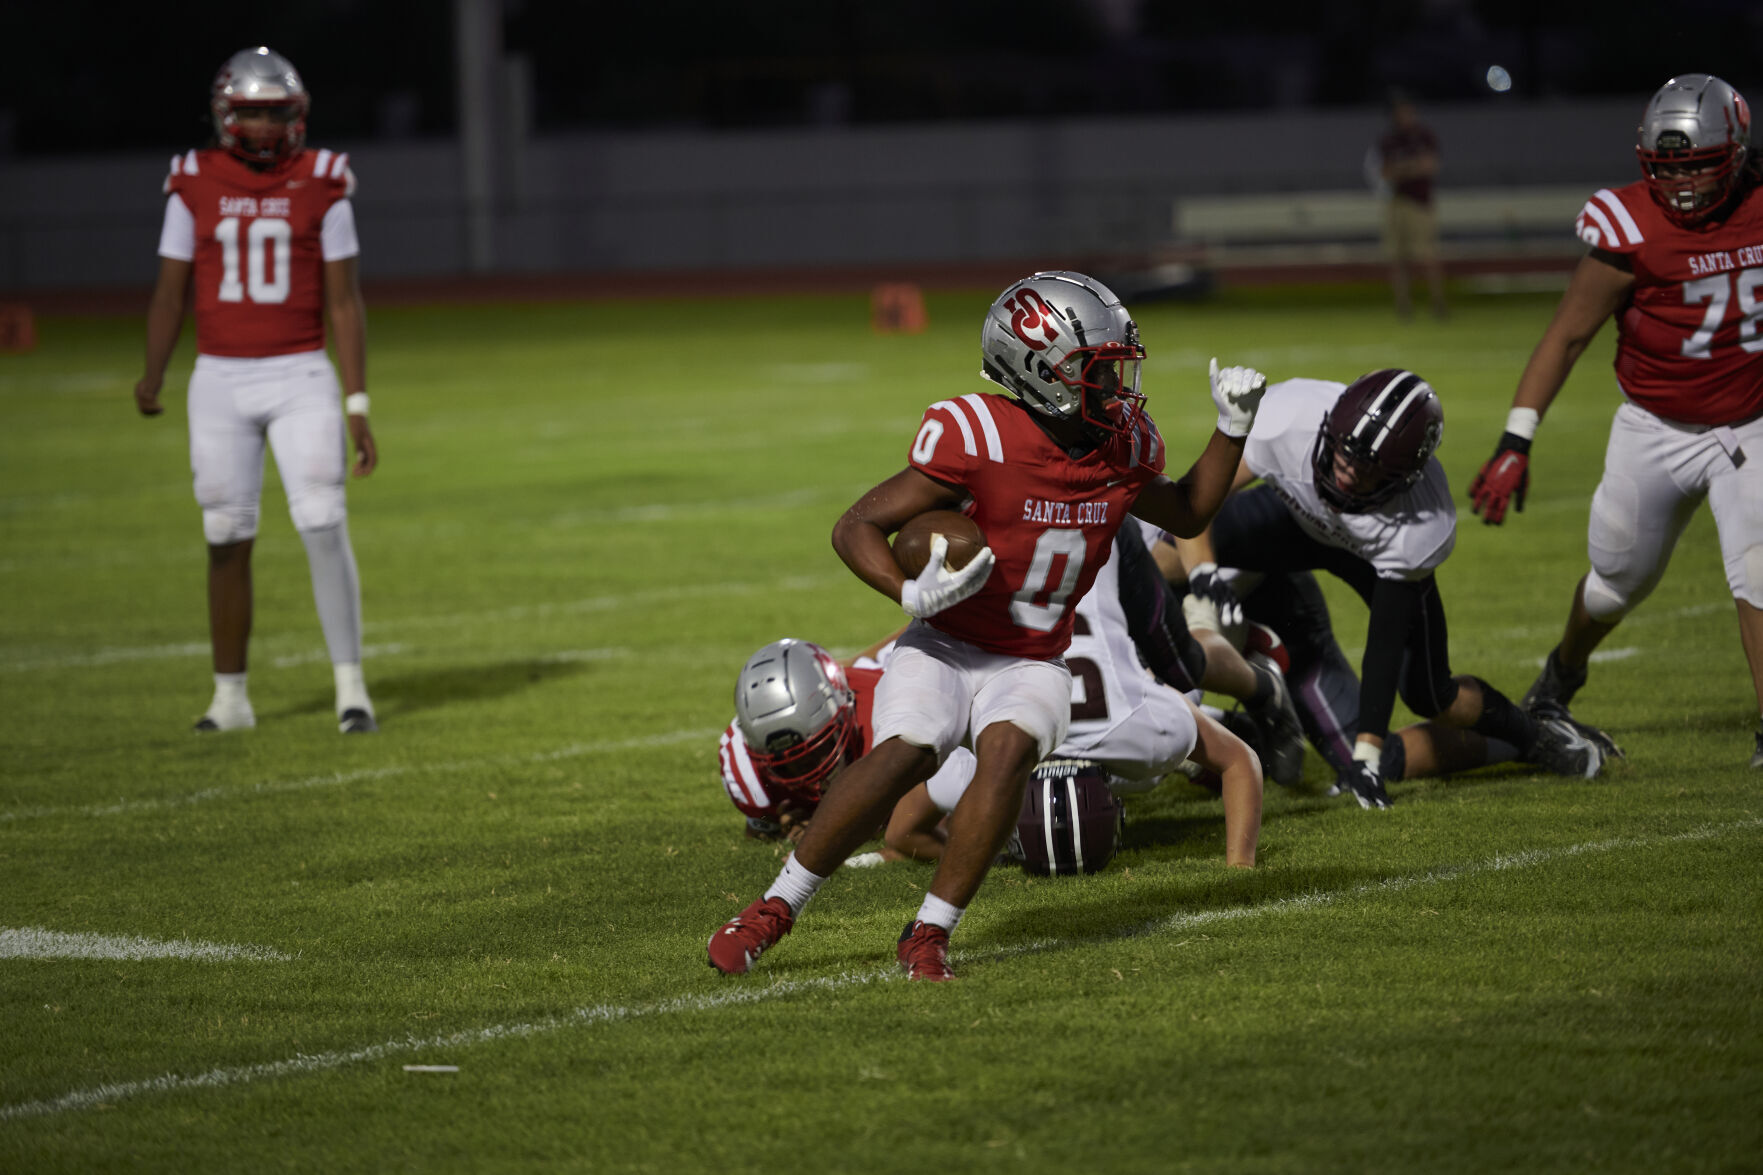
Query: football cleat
[
  {"x": 1757, "y": 756},
  {"x": 742, "y": 939},
  {"x": 1556, "y": 683},
  {"x": 1282, "y": 735},
  {"x": 235, "y": 715},
  {"x": 924, "y": 952},
  {"x": 356, "y": 720},
  {"x": 1566, "y": 746}
]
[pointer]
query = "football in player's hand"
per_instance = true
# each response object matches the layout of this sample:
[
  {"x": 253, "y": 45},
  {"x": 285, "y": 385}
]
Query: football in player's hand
[{"x": 912, "y": 544}]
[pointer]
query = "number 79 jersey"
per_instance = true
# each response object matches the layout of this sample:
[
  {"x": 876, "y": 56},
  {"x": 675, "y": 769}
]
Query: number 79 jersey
[
  {"x": 258, "y": 241},
  {"x": 1689, "y": 346},
  {"x": 1049, "y": 518}
]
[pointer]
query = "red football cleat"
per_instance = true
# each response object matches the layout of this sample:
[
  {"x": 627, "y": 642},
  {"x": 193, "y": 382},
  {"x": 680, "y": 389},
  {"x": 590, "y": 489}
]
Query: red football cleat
[
  {"x": 924, "y": 952},
  {"x": 742, "y": 939}
]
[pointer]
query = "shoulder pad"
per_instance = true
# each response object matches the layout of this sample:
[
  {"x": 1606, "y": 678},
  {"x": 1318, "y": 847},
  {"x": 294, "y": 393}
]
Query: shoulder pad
[
  {"x": 181, "y": 165},
  {"x": 334, "y": 167}
]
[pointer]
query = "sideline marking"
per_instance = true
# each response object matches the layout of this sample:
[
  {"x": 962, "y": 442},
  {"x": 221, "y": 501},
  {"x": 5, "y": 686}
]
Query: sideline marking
[
  {"x": 336, "y": 778},
  {"x": 34, "y": 942},
  {"x": 82, "y": 1099}
]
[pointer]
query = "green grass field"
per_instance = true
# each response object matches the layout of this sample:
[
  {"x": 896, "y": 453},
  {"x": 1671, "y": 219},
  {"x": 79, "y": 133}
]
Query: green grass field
[{"x": 585, "y": 518}]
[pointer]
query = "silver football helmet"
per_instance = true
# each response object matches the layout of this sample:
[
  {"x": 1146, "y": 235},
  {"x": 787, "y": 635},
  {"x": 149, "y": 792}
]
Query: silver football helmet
[
  {"x": 798, "y": 715},
  {"x": 1694, "y": 135},
  {"x": 1063, "y": 344},
  {"x": 259, "y": 79}
]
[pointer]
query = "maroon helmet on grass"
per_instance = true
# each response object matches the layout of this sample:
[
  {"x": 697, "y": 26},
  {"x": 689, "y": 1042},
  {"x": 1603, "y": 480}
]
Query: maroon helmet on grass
[
  {"x": 1070, "y": 820},
  {"x": 1377, "y": 438}
]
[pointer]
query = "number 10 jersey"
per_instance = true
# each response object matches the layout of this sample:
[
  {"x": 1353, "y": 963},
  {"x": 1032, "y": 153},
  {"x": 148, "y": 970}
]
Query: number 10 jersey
[{"x": 258, "y": 241}]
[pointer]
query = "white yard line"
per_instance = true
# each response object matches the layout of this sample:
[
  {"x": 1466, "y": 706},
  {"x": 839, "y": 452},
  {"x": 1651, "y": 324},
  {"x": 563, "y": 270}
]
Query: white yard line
[
  {"x": 33, "y": 942},
  {"x": 452, "y": 1043},
  {"x": 337, "y": 778}
]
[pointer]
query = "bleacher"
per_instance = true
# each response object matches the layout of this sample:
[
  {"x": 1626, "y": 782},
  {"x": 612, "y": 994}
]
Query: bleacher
[{"x": 1509, "y": 229}]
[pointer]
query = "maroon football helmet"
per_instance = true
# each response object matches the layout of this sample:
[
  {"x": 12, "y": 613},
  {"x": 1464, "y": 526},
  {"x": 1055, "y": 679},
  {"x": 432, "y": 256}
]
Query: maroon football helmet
[
  {"x": 1070, "y": 820},
  {"x": 1377, "y": 439}
]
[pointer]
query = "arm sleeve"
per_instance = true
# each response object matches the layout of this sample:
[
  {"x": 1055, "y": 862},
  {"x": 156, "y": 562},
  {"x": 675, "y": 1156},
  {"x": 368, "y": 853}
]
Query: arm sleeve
[
  {"x": 337, "y": 237},
  {"x": 177, "y": 236},
  {"x": 1394, "y": 606}
]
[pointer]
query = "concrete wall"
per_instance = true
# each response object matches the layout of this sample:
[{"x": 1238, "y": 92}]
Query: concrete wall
[{"x": 808, "y": 197}]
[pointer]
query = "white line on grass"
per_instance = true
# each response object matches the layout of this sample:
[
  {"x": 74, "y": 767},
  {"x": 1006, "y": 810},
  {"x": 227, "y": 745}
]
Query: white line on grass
[
  {"x": 83, "y": 1099},
  {"x": 337, "y": 778},
  {"x": 517, "y": 612},
  {"x": 33, "y": 942}
]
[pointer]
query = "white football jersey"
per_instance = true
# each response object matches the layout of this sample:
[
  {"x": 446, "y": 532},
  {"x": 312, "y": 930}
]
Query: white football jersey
[{"x": 1406, "y": 537}]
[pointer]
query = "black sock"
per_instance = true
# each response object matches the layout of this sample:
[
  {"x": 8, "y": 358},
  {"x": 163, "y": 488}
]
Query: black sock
[
  {"x": 1502, "y": 720},
  {"x": 1264, "y": 685}
]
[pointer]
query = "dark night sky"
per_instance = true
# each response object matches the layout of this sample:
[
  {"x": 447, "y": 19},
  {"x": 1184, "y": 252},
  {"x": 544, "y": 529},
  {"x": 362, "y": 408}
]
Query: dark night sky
[{"x": 138, "y": 79}]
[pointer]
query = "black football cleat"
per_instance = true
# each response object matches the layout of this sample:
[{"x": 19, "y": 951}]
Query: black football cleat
[{"x": 356, "y": 721}]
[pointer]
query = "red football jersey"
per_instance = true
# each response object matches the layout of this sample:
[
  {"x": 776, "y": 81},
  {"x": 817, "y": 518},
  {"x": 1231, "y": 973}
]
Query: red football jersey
[
  {"x": 1688, "y": 346},
  {"x": 753, "y": 791},
  {"x": 259, "y": 265},
  {"x": 1049, "y": 518}
]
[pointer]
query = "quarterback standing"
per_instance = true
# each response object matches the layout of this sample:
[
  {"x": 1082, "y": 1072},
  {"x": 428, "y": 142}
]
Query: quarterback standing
[
  {"x": 1052, "y": 470},
  {"x": 265, "y": 230},
  {"x": 1677, "y": 259}
]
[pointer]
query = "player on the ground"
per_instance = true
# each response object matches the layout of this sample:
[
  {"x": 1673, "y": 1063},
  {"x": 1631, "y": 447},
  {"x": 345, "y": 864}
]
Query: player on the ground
[
  {"x": 1352, "y": 488},
  {"x": 265, "y": 229},
  {"x": 801, "y": 717},
  {"x": 1677, "y": 259},
  {"x": 1052, "y": 472}
]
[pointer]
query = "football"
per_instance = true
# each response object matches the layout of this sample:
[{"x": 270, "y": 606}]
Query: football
[{"x": 912, "y": 544}]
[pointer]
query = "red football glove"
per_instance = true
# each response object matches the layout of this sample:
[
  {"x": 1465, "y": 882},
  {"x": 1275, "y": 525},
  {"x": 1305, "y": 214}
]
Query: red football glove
[{"x": 1505, "y": 476}]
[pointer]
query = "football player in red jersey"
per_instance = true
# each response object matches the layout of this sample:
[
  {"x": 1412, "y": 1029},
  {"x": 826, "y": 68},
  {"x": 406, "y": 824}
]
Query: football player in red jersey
[
  {"x": 264, "y": 228},
  {"x": 1052, "y": 470},
  {"x": 1677, "y": 259}
]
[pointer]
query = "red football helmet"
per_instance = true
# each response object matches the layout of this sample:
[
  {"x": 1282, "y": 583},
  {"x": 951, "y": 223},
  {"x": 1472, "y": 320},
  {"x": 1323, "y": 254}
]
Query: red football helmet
[
  {"x": 1379, "y": 436},
  {"x": 798, "y": 716},
  {"x": 1693, "y": 139},
  {"x": 259, "y": 81}
]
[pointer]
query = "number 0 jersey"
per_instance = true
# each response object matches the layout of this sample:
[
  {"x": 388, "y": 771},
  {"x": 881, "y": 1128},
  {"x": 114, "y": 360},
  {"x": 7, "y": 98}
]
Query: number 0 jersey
[
  {"x": 258, "y": 241},
  {"x": 1688, "y": 347},
  {"x": 1049, "y": 518}
]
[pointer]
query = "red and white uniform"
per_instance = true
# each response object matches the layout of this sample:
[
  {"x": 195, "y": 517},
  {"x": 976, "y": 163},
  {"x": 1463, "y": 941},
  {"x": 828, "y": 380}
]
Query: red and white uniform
[
  {"x": 1689, "y": 360},
  {"x": 1050, "y": 519},
  {"x": 1689, "y": 346},
  {"x": 258, "y": 241}
]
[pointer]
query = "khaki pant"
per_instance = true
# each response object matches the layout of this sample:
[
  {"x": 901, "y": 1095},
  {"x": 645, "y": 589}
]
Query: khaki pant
[{"x": 1411, "y": 230}]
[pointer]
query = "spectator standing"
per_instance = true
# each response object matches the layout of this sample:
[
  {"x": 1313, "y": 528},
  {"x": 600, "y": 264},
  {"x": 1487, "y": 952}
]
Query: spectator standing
[{"x": 1409, "y": 152}]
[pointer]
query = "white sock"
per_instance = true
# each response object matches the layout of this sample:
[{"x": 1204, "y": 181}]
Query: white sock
[
  {"x": 351, "y": 689},
  {"x": 229, "y": 690},
  {"x": 940, "y": 913},
  {"x": 795, "y": 885}
]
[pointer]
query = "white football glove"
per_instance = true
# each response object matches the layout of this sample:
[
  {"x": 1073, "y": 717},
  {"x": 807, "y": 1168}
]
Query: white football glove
[
  {"x": 937, "y": 588},
  {"x": 1237, "y": 391}
]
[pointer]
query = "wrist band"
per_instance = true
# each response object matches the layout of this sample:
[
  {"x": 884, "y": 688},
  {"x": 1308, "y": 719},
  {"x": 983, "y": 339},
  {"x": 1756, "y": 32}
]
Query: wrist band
[
  {"x": 1522, "y": 422},
  {"x": 355, "y": 403}
]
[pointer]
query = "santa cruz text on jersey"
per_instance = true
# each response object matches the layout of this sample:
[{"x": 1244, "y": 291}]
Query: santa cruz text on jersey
[{"x": 1065, "y": 513}]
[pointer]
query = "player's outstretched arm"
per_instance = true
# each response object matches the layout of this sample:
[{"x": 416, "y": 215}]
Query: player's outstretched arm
[
  {"x": 165, "y": 321},
  {"x": 1186, "y": 507},
  {"x": 1218, "y": 750},
  {"x": 861, "y": 535},
  {"x": 1600, "y": 284}
]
